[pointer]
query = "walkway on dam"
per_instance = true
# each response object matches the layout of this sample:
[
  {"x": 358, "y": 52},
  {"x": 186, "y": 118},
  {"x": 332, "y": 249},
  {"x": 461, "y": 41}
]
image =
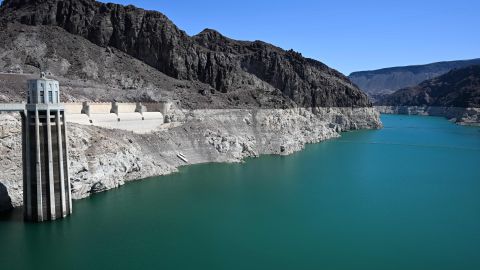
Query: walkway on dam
[
  {"x": 145, "y": 122},
  {"x": 135, "y": 122},
  {"x": 12, "y": 107}
]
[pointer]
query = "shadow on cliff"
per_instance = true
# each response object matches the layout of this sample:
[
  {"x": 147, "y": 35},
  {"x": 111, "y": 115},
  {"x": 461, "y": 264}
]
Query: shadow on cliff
[
  {"x": 7, "y": 212},
  {"x": 5, "y": 200}
]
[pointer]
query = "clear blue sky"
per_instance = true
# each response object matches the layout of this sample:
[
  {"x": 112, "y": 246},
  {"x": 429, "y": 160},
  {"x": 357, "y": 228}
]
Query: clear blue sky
[{"x": 346, "y": 35}]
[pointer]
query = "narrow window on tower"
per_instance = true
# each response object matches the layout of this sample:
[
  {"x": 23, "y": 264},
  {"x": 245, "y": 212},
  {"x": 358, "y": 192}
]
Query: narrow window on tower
[
  {"x": 34, "y": 95},
  {"x": 42, "y": 93},
  {"x": 50, "y": 96}
]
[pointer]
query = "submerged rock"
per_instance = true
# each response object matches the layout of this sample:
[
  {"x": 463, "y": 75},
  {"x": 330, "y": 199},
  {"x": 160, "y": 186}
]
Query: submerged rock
[{"x": 98, "y": 187}]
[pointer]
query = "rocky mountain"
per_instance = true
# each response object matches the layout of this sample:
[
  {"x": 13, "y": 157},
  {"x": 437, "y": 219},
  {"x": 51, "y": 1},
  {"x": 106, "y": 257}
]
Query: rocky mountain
[
  {"x": 388, "y": 80},
  {"x": 237, "y": 99},
  {"x": 457, "y": 88},
  {"x": 103, "y": 51}
]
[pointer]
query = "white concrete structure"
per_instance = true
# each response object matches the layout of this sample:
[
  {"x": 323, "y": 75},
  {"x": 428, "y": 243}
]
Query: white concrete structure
[
  {"x": 12, "y": 107},
  {"x": 46, "y": 182},
  {"x": 135, "y": 117},
  {"x": 46, "y": 185}
]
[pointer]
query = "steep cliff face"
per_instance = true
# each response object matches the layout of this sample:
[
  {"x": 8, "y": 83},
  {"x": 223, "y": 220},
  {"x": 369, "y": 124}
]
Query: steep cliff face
[
  {"x": 224, "y": 64},
  {"x": 388, "y": 80},
  {"x": 458, "y": 88},
  {"x": 94, "y": 73}
]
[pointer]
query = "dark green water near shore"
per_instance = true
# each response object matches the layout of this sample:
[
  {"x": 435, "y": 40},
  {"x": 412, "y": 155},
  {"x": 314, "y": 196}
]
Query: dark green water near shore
[{"x": 404, "y": 197}]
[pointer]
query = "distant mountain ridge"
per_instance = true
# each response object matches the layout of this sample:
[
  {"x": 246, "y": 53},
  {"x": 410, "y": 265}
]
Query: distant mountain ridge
[
  {"x": 457, "y": 88},
  {"x": 388, "y": 80}
]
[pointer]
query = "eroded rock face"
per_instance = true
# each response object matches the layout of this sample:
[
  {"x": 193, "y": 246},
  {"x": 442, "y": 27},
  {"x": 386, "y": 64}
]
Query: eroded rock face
[
  {"x": 11, "y": 185},
  {"x": 226, "y": 65},
  {"x": 102, "y": 159}
]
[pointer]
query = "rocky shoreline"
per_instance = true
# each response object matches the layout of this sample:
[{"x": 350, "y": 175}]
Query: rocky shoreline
[
  {"x": 461, "y": 116},
  {"x": 102, "y": 159}
]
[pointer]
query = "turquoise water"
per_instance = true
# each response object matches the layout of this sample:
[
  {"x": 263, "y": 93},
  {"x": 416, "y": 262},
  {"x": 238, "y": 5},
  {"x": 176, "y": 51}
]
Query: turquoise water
[{"x": 404, "y": 197}]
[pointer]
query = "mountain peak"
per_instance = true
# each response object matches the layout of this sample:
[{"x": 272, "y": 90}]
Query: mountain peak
[
  {"x": 209, "y": 31},
  {"x": 210, "y": 35}
]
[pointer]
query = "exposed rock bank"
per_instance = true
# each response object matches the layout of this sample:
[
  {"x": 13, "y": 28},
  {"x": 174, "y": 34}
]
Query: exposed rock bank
[
  {"x": 102, "y": 159},
  {"x": 462, "y": 116}
]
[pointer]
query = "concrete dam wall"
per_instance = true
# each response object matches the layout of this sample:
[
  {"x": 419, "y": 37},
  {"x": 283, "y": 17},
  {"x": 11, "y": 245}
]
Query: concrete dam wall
[{"x": 136, "y": 117}]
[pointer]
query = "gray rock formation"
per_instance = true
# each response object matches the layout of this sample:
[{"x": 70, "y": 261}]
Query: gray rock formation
[
  {"x": 243, "y": 70},
  {"x": 11, "y": 186},
  {"x": 92, "y": 73},
  {"x": 102, "y": 159},
  {"x": 388, "y": 80},
  {"x": 457, "y": 88}
]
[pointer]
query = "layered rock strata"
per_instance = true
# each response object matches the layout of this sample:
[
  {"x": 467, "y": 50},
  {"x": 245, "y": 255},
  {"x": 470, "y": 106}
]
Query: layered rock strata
[{"x": 102, "y": 159}]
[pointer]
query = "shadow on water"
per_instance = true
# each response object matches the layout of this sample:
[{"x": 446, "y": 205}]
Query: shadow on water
[
  {"x": 7, "y": 212},
  {"x": 12, "y": 215}
]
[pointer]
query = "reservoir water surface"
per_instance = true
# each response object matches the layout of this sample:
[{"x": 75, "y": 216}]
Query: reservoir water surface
[{"x": 404, "y": 197}]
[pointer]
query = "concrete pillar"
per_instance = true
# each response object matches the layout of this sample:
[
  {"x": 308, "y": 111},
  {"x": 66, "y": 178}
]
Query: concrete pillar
[
  {"x": 114, "y": 108},
  {"x": 86, "y": 108},
  {"x": 51, "y": 183},
  {"x": 60, "y": 161},
  {"x": 68, "y": 164},
  {"x": 38, "y": 168},
  {"x": 27, "y": 196},
  {"x": 140, "y": 108}
]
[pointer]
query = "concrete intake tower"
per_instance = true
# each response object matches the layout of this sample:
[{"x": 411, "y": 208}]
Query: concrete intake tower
[{"x": 46, "y": 184}]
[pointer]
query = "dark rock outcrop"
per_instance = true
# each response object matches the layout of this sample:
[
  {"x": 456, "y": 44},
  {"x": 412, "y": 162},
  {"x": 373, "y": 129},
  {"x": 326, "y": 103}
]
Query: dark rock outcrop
[
  {"x": 457, "y": 88},
  {"x": 226, "y": 65},
  {"x": 388, "y": 80}
]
